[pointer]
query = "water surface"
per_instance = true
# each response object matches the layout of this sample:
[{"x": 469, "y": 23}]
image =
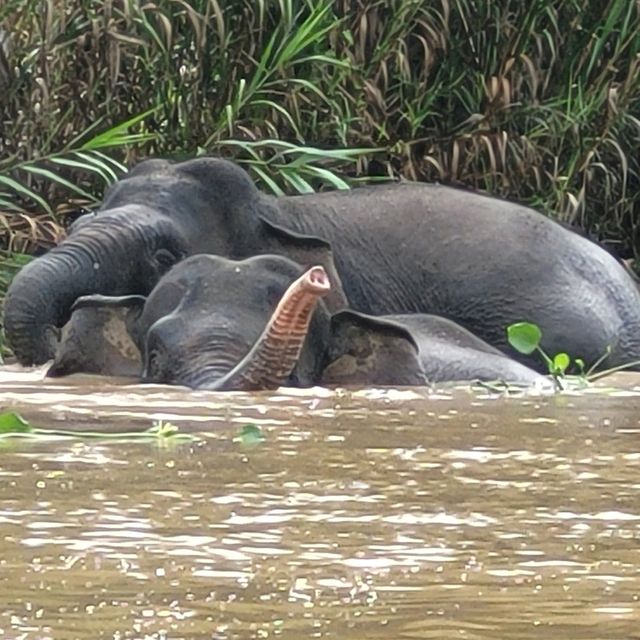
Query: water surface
[{"x": 362, "y": 514}]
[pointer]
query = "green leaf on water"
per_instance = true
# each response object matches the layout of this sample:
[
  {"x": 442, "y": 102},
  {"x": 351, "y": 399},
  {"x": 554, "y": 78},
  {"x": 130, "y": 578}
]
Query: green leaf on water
[
  {"x": 251, "y": 435},
  {"x": 561, "y": 362},
  {"x": 163, "y": 432},
  {"x": 11, "y": 422},
  {"x": 163, "y": 429},
  {"x": 524, "y": 336}
]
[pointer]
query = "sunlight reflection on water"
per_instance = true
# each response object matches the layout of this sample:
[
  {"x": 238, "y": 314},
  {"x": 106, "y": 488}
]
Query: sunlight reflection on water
[{"x": 423, "y": 513}]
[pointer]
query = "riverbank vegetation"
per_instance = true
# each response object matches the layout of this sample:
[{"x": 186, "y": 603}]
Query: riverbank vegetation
[{"x": 538, "y": 102}]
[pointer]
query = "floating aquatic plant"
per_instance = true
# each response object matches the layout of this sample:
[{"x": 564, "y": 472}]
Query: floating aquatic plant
[{"x": 13, "y": 425}]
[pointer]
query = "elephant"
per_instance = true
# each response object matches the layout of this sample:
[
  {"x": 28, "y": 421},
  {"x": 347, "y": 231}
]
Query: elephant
[
  {"x": 398, "y": 248},
  {"x": 261, "y": 322}
]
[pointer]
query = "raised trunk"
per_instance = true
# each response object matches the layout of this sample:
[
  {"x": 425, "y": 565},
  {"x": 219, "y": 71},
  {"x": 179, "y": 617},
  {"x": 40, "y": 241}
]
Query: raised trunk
[
  {"x": 274, "y": 355},
  {"x": 112, "y": 257}
]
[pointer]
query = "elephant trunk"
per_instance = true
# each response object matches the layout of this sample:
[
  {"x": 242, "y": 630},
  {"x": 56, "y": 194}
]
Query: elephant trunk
[
  {"x": 108, "y": 257},
  {"x": 32, "y": 312},
  {"x": 276, "y": 352}
]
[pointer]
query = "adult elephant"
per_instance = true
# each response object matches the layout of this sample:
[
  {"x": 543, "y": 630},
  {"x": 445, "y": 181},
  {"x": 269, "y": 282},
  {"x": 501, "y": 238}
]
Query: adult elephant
[
  {"x": 259, "y": 323},
  {"x": 399, "y": 248},
  {"x": 157, "y": 215}
]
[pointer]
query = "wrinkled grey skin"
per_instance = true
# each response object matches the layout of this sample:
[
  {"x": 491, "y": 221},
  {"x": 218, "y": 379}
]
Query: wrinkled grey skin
[
  {"x": 206, "y": 314},
  {"x": 399, "y": 248}
]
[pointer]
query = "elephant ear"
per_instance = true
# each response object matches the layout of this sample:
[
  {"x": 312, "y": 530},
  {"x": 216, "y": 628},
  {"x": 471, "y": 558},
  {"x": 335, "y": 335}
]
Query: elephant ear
[
  {"x": 130, "y": 306},
  {"x": 127, "y": 308},
  {"x": 98, "y": 337},
  {"x": 370, "y": 350},
  {"x": 307, "y": 251}
]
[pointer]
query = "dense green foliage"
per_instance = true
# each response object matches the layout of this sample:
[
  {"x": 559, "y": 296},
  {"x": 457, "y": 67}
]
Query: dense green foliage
[{"x": 535, "y": 101}]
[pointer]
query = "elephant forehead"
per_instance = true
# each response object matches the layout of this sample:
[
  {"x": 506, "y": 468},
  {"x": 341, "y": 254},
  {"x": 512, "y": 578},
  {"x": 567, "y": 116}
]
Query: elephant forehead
[
  {"x": 188, "y": 333},
  {"x": 210, "y": 281},
  {"x": 231, "y": 290},
  {"x": 205, "y": 265}
]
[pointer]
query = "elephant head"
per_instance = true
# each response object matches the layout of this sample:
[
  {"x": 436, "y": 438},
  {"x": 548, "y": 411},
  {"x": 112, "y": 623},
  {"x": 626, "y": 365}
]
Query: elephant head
[
  {"x": 150, "y": 220},
  {"x": 217, "y": 323},
  {"x": 93, "y": 259},
  {"x": 409, "y": 349}
]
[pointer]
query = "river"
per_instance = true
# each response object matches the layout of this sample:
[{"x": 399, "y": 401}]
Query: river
[{"x": 411, "y": 513}]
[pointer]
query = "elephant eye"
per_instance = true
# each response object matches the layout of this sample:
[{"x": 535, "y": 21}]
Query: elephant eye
[
  {"x": 273, "y": 294},
  {"x": 165, "y": 259}
]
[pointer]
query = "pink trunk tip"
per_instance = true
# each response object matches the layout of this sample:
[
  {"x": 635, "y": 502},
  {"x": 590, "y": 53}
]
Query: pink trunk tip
[{"x": 316, "y": 281}]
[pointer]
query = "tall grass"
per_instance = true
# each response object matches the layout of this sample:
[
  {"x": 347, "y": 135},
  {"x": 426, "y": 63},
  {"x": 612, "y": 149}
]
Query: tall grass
[{"x": 535, "y": 101}]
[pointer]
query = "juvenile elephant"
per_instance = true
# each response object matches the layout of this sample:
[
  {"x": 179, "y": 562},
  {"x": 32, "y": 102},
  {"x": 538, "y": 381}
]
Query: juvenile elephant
[
  {"x": 399, "y": 248},
  {"x": 260, "y": 323}
]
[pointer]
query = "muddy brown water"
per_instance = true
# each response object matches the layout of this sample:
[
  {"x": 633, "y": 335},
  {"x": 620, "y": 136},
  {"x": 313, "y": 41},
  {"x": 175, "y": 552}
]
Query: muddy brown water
[{"x": 445, "y": 513}]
